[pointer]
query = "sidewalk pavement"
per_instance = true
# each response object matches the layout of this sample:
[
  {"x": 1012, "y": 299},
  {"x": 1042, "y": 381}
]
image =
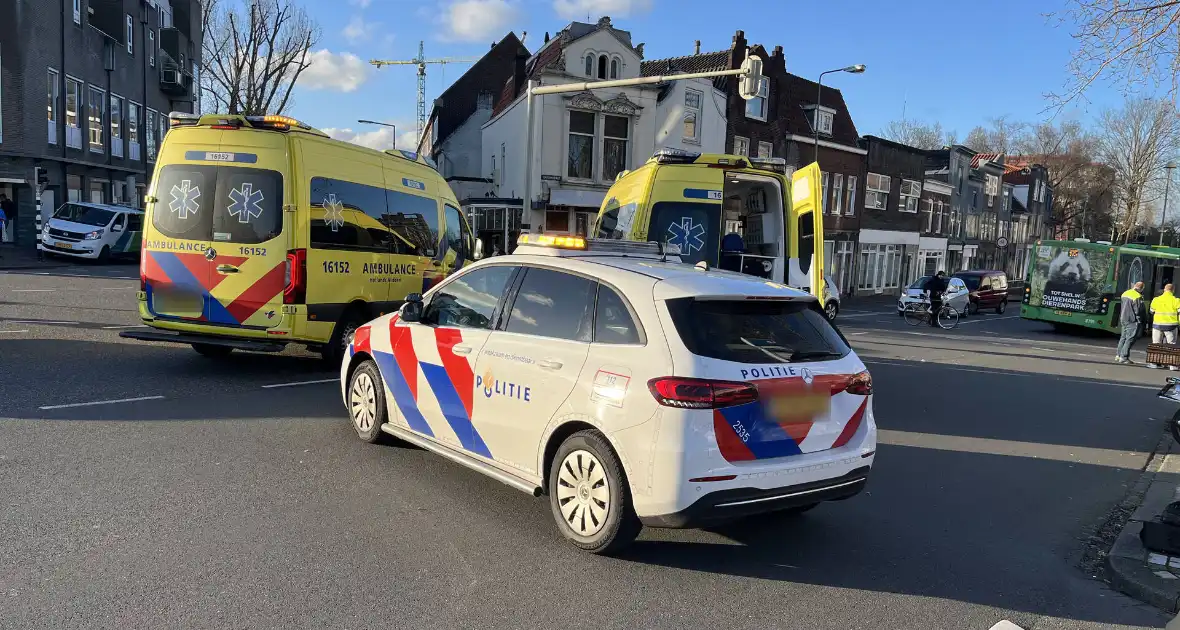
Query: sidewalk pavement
[
  {"x": 12, "y": 257},
  {"x": 1150, "y": 577}
]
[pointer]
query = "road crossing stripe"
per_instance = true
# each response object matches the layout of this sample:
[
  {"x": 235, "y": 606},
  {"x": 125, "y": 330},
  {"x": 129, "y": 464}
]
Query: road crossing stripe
[{"x": 99, "y": 402}]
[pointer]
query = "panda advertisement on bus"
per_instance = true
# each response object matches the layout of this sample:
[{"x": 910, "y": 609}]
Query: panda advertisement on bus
[{"x": 1068, "y": 278}]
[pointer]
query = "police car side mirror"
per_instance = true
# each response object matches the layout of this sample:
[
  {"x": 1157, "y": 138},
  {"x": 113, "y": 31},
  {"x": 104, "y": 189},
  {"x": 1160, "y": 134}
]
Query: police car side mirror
[
  {"x": 411, "y": 311},
  {"x": 478, "y": 255}
]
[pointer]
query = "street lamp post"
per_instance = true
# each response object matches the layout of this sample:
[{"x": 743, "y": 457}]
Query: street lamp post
[
  {"x": 819, "y": 92},
  {"x": 390, "y": 125},
  {"x": 1169, "y": 167}
]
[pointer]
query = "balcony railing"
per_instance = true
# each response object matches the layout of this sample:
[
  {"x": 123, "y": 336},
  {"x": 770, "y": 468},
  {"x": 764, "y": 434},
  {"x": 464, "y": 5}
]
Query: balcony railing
[
  {"x": 74, "y": 137},
  {"x": 51, "y": 132}
]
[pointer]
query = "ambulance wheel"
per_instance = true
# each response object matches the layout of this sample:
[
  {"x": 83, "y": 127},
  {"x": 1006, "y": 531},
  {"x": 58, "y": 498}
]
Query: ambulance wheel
[
  {"x": 366, "y": 402},
  {"x": 589, "y": 495},
  {"x": 212, "y": 351},
  {"x": 337, "y": 347},
  {"x": 104, "y": 255}
]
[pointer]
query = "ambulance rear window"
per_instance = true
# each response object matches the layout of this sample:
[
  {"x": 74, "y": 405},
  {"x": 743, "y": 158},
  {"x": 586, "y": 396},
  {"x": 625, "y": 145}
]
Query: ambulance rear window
[
  {"x": 218, "y": 203},
  {"x": 750, "y": 331}
]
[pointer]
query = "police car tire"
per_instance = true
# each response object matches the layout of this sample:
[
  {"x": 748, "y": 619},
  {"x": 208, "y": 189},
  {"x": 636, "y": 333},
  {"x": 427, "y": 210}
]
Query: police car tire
[
  {"x": 212, "y": 351},
  {"x": 373, "y": 434},
  {"x": 621, "y": 524}
]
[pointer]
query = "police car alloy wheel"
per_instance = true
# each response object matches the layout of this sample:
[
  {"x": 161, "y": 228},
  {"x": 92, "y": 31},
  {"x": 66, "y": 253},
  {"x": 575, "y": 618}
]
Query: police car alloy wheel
[
  {"x": 589, "y": 496},
  {"x": 366, "y": 402}
]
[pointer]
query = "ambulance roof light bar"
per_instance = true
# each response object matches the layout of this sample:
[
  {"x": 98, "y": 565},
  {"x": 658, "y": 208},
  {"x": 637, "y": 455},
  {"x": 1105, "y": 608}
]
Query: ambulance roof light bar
[
  {"x": 675, "y": 156},
  {"x": 777, "y": 165}
]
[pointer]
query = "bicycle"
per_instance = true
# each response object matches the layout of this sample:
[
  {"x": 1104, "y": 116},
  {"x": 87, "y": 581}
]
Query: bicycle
[{"x": 917, "y": 313}]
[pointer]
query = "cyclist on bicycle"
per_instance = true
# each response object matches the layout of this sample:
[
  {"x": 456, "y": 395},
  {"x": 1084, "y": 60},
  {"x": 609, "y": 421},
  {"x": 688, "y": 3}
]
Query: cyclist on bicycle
[{"x": 934, "y": 288}]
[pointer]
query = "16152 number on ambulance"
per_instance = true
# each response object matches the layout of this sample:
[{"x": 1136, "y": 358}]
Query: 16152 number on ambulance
[{"x": 261, "y": 231}]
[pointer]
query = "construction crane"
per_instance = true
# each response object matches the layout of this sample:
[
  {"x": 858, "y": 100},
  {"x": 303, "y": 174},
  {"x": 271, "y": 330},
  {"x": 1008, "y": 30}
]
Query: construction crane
[{"x": 421, "y": 62}]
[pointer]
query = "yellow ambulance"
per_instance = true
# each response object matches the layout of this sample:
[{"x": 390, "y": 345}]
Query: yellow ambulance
[
  {"x": 725, "y": 211},
  {"x": 262, "y": 231}
]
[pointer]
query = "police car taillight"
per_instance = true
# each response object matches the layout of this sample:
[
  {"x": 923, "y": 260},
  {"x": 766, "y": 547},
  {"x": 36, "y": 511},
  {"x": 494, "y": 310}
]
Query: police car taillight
[
  {"x": 295, "y": 277},
  {"x": 699, "y": 393},
  {"x": 860, "y": 384}
]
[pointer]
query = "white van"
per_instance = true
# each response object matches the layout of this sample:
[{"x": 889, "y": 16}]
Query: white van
[{"x": 93, "y": 230}]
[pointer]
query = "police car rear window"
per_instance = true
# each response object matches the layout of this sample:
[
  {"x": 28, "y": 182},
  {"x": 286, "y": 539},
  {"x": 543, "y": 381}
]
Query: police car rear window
[
  {"x": 218, "y": 203},
  {"x": 749, "y": 331}
]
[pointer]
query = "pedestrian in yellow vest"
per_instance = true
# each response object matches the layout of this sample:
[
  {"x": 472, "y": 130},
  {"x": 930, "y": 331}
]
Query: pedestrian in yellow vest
[{"x": 1165, "y": 312}]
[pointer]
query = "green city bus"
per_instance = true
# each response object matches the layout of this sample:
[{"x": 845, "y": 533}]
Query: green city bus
[{"x": 1078, "y": 282}]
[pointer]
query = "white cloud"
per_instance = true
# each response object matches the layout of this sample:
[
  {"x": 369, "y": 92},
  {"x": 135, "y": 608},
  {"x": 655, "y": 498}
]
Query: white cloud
[
  {"x": 579, "y": 9},
  {"x": 380, "y": 138},
  {"x": 344, "y": 72},
  {"x": 364, "y": 4},
  {"x": 478, "y": 20},
  {"x": 359, "y": 30}
]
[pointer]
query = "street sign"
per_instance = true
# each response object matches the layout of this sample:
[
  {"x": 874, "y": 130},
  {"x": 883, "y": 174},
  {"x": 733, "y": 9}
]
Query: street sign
[{"x": 1002, "y": 241}]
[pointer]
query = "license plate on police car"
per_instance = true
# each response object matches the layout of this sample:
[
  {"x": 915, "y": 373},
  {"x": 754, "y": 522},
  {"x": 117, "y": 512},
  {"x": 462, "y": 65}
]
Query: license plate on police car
[{"x": 799, "y": 407}]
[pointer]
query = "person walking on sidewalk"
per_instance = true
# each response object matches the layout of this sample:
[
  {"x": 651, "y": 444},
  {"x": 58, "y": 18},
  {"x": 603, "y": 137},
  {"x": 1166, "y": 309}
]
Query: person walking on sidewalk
[
  {"x": 1165, "y": 311},
  {"x": 1130, "y": 318}
]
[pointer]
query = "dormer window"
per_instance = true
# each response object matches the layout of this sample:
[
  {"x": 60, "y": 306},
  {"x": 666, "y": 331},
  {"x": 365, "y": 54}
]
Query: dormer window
[
  {"x": 589, "y": 65},
  {"x": 602, "y": 66},
  {"x": 821, "y": 118},
  {"x": 614, "y": 68}
]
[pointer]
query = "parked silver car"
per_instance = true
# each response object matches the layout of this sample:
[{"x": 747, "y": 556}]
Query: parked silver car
[{"x": 957, "y": 295}]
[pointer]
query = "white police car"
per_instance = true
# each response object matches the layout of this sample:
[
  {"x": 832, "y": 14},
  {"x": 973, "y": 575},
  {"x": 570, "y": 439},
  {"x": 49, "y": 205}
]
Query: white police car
[{"x": 627, "y": 389}]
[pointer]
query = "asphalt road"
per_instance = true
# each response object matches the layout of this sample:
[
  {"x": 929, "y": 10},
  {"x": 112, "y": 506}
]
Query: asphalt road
[{"x": 209, "y": 498}]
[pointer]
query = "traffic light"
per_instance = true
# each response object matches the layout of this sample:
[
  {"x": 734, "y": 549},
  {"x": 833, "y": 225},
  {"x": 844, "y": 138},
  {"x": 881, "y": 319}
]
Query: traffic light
[
  {"x": 41, "y": 176},
  {"x": 752, "y": 79}
]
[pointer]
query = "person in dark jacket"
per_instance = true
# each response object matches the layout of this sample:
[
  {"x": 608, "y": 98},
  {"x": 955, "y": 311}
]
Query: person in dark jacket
[
  {"x": 935, "y": 287},
  {"x": 1131, "y": 319}
]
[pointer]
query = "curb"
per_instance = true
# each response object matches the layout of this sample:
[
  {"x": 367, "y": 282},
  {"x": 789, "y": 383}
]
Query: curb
[{"x": 1126, "y": 562}]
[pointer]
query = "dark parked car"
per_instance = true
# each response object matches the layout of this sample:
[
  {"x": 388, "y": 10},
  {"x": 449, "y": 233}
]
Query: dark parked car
[{"x": 989, "y": 289}]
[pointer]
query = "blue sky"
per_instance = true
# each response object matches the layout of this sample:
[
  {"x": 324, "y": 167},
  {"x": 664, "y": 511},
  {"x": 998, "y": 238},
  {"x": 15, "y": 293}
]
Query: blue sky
[{"x": 959, "y": 63}]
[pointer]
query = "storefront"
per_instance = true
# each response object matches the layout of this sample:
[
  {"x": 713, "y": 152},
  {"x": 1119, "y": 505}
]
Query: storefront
[
  {"x": 931, "y": 256},
  {"x": 573, "y": 211},
  {"x": 838, "y": 259},
  {"x": 885, "y": 260},
  {"x": 496, "y": 222}
]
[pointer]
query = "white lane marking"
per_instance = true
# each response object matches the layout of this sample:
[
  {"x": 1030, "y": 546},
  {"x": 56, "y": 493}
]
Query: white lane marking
[
  {"x": 865, "y": 332},
  {"x": 12, "y": 332},
  {"x": 1055, "y": 377},
  {"x": 125, "y": 326},
  {"x": 100, "y": 402},
  {"x": 841, "y": 315},
  {"x": 1113, "y": 458},
  {"x": 1004, "y": 624},
  {"x": 316, "y": 382},
  {"x": 990, "y": 319},
  {"x": 1040, "y": 349},
  {"x": 32, "y": 290},
  {"x": 36, "y": 321}
]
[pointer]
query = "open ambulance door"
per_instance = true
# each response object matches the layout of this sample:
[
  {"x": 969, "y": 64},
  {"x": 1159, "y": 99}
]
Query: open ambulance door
[{"x": 805, "y": 232}]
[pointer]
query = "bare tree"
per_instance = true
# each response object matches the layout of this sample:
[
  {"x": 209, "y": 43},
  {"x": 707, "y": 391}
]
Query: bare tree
[
  {"x": 1132, "y": 41},
  {"x": 1081, "y": 186},
  {"x": 253, "y": 54},
  {"x": 1001, "y": 136},
  {"x": 919, "y": 135},
  {"x": 1136, "y": 142}
]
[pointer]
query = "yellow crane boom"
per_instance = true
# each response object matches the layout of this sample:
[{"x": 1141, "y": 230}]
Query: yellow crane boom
[{"x": 421, "y": 61}]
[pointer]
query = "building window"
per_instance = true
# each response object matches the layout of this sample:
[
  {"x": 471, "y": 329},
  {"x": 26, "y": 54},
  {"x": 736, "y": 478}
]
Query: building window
[
  {"x": 692, "y": 115},
  {"x": 821, "y": 120},
  {"x": 850, "y": 209},
  {"x": 972, "y": 226},
  {"x": 910, "y": 192},
  {"x": 73, "y": 124},
  {"x": 51, "y": 96},
  {"x": 880, "y": 267},
  {"x": 602, "y": 66},
  {"x": 615, "y": 130},
  {"x": 765, "y": 150},
  {"x": 116, "y": 126},
  {"x": 589, "y": 65},
  {"x": 837, "y": 193},
  {"x": 877, "y": 191},
  {"x": 614, "y": 68},
  {"x": 741, "y": 146},
  {"x": 130, "y": 36},
  {"x": 77, "y": 11},
  {"x": 132, "y": 131},
  {"x": 756, "y": 107},
  {"x": 580, "y": 162},
  {"x": 95, "y": 105},
  {"x": 927, "y": 214},
  {"x": 825, "y": 193},
  {"x": 152, "y": 47},
  {"x": 150, "y": 132},
  {"x": 991, "y": 188}
]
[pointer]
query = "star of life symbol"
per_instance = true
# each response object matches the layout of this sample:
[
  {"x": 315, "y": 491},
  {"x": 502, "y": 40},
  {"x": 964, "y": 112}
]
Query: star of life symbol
[
  {"x": 333, "y": 212},
  {"x": 687, "y": 234},
  {"x": 184, "y": 199},
  {"x": 246, "y": 202}
]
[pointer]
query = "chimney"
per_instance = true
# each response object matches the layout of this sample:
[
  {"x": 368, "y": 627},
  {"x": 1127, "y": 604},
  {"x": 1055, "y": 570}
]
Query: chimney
[
  {"x": 546, "y": 37},
  {"x": 697, "y": 48},
  {"x": 778, "y": 52}
]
